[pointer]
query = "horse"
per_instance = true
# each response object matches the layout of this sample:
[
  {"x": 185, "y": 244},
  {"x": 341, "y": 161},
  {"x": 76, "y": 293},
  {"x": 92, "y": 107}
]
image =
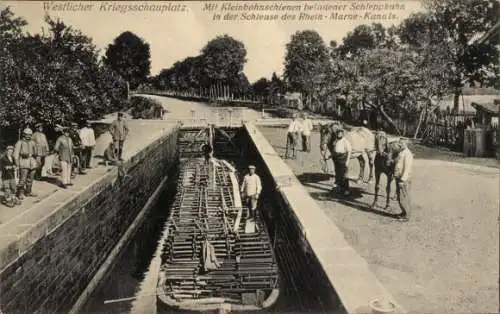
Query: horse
[
  {"x": 291, "y": 141},
  {"x": 385, "y": 163},
  {"x": 362, "y": 142}
]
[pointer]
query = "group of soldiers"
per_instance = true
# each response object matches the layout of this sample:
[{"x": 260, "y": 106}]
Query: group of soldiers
[
  {"x": 301, "y": 127},
  {"x": 31, "y": 158}
]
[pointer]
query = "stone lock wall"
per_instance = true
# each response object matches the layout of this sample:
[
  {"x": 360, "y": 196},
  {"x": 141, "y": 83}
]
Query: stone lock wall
[
  {"x": 302, "y": 276},
  {"x": 71, "y": 245}
]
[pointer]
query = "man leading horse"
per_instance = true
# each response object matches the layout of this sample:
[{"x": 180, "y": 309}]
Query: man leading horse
[
  {"x": 361, "y": 139},
  {"x": 393, "y": 158}
]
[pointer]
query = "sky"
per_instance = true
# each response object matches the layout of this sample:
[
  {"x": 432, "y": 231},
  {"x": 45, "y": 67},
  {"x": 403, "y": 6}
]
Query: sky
[{"x": 173, "y": 36}]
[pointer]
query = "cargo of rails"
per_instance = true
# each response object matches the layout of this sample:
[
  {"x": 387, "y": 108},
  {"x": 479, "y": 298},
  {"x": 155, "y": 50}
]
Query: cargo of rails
[{"x": 214, "y": 257}]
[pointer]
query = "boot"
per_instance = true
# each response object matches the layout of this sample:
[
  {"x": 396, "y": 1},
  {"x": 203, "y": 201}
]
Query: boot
[
  {"x": 10, "y": 202},
  {"x": 29, "y": 192},
  {"x": 20, "y": 192},
  {"x": 17, "y": 201}
]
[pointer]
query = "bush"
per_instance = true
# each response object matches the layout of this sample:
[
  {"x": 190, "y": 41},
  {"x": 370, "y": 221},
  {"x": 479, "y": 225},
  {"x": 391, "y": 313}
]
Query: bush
[{"x": 145, "y": 108}]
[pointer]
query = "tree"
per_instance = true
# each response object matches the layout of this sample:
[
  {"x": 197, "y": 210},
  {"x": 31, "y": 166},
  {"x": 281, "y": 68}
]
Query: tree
[
  {"x": 306, "y": 61},
  {"x": 395, "y": 83},
  {"x": 52, "y": 78},
  {"x": 129, "y": 56},
  {"x": 223, "y": 59},
  {"x": 364, "y": 37},
  {"x": 260, "y": 87},
  {"x": 219, "y": 67},
  {"x": 12, "y": 96},
  {"x": 455, "y": 24}
]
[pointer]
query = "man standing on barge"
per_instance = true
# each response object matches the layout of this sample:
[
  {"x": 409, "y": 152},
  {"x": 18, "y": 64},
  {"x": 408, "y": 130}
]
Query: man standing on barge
[{"x": 251, "y": 188}]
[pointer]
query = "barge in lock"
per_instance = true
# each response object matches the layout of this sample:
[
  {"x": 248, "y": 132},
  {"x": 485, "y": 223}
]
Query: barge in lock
[{"x": 214, "y": 258}]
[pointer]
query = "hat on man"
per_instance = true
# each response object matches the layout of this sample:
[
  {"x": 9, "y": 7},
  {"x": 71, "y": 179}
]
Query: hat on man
[
  {"x": 27, "y": 131},
  {"x": 10, "y": 147},
  {"x": 74, "y": 124},
  {"x": 251, "y": 167}
]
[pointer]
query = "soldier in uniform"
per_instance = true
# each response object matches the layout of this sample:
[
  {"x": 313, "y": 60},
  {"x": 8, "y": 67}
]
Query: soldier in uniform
[
  {"x": 341, "y": 158},
  {"x": 119, "y": 131},
  {"x": 74, "y": 134},
  {"x": 8, "y": 174},
  {"x": 42, "y": 147},
  {"x": 402, "y": 173},
  {"x": 64, "y": 148},
  {"x": 207, "y": 151},
  {"x": 25, "y": 157}
]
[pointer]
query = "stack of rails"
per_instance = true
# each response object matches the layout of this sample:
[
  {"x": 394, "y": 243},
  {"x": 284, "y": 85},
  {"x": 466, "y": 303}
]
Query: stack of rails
[{"x": 206, "y": 207}]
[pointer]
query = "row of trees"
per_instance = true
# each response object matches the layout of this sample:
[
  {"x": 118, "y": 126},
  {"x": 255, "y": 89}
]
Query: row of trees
[
  {"x": 58, "y": 76},
  {"x": 402, "y": 71},
  {"x": 218, "y": 67}
]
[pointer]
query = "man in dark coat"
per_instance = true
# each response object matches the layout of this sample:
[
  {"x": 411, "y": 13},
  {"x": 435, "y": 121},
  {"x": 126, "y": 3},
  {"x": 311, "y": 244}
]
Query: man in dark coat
[
  {"x": 8, "y": 174},
  {"x": 119, "y": 131},
  {"x": 74, "y": 134}
]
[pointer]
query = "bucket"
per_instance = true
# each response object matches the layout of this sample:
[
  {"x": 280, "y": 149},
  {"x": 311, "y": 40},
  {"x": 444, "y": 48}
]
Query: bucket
[{"x": 382, "y": 306}]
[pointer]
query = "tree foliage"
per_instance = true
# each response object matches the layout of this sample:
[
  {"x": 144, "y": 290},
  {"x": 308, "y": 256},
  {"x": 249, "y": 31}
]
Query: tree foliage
[
  {"x": 306, "y": 62},
  {"x": 402, "y": 71},
  {"x": 220, "y": 63},
  {"x": 223, "y": 59},
  {"x": 456, "y": 24},
  {"x": 129, "y": 56},
  {"x": 52, "y": 78}
]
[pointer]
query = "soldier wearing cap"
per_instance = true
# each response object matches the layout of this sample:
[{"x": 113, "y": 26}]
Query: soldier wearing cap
[
  {"x": 292, "y": 135},
  {"x": 119, "y": 131},
  {"x": 25, "y": 154},
  {"x": 88, "y": 141},
  {"x": 207, "y": 151},
  {"x": 42, "y": 147},
  {"x": 341, "y": 158},
  {"x": 74, "y": 134},
  {"x": 402, "y": 174},
  {"x": 251, "y": 188},
  {"x": 49, "y": 160},
  {"x": 8, "y": 175},
  {"x": 64, "y": 148},
  {"x": 306, "y": 128}
]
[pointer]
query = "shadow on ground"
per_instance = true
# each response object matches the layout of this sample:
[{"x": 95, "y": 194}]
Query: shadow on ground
[
  {"x": 314, "y": 177},
  {"x": 353, "y": 200}
]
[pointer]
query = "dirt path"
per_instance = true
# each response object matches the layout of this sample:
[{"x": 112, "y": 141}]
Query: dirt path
[
  {"x": 445, "y": 259},
  {"x": 181, "y": 109}
]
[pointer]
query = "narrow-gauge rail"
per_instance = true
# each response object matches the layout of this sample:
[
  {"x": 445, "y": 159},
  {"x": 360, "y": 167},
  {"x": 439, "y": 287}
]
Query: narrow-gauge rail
[{"x": 208, "y": 261}]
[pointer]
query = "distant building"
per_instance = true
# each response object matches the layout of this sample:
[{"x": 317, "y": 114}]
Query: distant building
[
  {"x": 487, "y": 114},
  {"x": 292, "y": 101}
]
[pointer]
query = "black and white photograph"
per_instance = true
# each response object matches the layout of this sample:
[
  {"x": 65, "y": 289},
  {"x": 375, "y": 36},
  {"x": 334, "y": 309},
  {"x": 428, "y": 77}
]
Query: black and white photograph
[{"x": 250, "y": 156}]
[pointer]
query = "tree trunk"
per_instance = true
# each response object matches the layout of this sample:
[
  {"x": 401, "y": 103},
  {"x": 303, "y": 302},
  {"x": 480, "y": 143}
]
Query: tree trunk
[
  {"x": 456, "y": 100},
  {"x": 389, "y": 119},
  {"x": 419, "y": 122},
  {"x": 427, "y": 112}
]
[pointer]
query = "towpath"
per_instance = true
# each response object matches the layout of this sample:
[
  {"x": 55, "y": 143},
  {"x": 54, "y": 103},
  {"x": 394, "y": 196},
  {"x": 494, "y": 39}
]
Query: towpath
[{"x": 445, "y": 259}]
